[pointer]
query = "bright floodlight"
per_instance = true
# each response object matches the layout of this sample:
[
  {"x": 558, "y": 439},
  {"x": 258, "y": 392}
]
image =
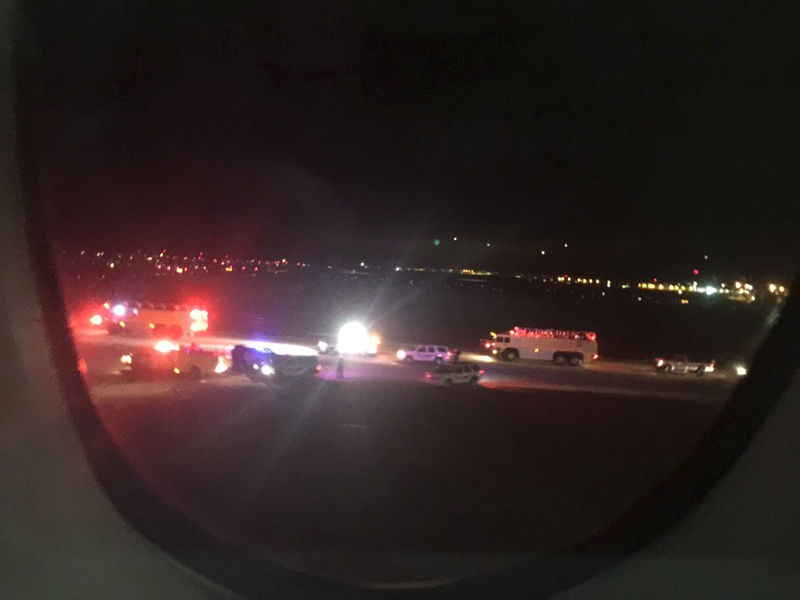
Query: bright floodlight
[
  {"x": 118, "y": 310},
  {"x": 353, "y": 339}
]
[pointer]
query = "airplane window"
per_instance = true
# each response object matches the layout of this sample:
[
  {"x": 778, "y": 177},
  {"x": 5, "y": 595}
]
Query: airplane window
[{"x": 259, "y": 212}]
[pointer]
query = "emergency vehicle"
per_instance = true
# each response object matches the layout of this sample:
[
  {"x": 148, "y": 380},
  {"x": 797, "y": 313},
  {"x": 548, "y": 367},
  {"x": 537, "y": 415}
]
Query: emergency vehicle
[
  {"x": 168, "y": 357},
  {"x": 561, "y": 346},
  {"x": 158, "y": 320}
]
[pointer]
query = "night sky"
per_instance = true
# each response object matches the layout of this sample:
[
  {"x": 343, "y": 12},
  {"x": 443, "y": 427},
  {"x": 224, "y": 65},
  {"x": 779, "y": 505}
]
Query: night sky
[{"x": 643, "y": 134}]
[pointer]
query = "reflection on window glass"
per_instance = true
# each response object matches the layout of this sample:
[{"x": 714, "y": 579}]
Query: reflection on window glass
[{"x": 354, "y": 283}]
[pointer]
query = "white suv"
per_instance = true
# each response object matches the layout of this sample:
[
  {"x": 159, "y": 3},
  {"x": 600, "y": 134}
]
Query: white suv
[{"x": 437, "y": 354}]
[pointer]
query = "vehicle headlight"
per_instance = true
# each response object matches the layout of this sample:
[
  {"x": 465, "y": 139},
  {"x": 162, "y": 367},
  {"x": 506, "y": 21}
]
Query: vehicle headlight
[
  {"x": 401, "y": 354},
  {"x": 659, "y": 363},
  {"x": 165, "y": 346},
  {"x": 267, "y": 370},
  {"x": 741, "y": 370},
  {"x": 126, "y": 359}
]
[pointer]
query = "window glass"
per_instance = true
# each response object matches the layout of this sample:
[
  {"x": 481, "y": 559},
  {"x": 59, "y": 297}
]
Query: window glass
[{"x": 616, "y": 187}]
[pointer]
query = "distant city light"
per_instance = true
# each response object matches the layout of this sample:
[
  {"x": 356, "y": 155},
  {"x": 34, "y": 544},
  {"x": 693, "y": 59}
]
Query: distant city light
[
  {"x": 543, "y": 253},
  {"x": 455, "y": 239},
  {"x": 710, "y": 290},
  {"x": 772, "y": 287},
  {"x": 488, "y": 245},
  {"x": 705, "y": 256},
  {"x": 695, "y": 272},
  {"x": 566, "y": 245}
]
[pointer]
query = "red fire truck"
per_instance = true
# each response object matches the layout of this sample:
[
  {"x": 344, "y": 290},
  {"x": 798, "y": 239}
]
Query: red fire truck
[{"x": 158, "y": 320}]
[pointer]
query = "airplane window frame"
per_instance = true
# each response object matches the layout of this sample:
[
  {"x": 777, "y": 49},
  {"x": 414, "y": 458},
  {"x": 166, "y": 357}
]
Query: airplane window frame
[{"x": 666, "y": 505}]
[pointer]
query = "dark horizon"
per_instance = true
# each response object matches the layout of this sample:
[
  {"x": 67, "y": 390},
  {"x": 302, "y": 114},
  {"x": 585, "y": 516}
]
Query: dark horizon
[{"x": 643, "y": 137}]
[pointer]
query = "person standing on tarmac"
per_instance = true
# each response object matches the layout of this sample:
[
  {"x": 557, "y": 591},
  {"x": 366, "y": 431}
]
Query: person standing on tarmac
[{"x": 340, "y": 368}]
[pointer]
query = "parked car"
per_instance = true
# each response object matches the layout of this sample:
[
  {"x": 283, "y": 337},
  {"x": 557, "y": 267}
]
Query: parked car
[
  {"x": 265, "y": 365},
  {"x": 453, "y": 374},
  {"x": 680, "y": 363},
  {"x": 425, "y": 353},
  {"x": 244, "y": 357}
]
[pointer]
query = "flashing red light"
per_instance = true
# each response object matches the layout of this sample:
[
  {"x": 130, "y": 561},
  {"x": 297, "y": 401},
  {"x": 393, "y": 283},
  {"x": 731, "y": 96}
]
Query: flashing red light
[
  {"x": 318, "y": 367},
  {"x": 655, "y": 279},
  {"x": 695, "y": 272},
  {"x": 487, "y": 345},
  {"x": 481, "y": 372}
]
